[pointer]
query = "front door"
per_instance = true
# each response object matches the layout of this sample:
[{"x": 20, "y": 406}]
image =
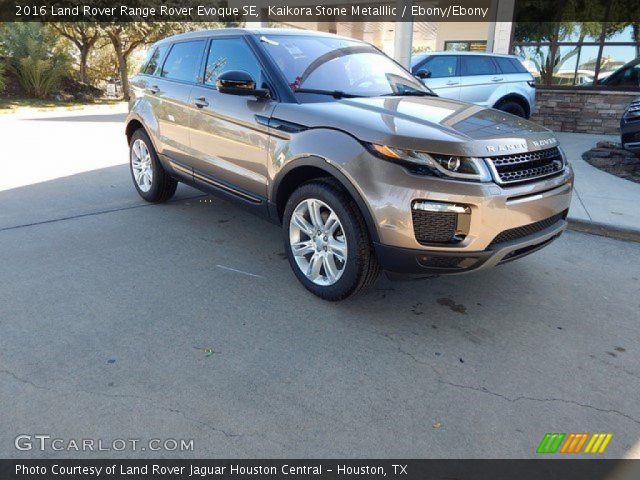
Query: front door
[
  {"x": 229, "y": 146},
  {"x": 445, "y": 78}
]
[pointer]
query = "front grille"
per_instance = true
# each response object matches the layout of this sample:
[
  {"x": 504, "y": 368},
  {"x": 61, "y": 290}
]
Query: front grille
[
  {"x": 524, "y": 167},
  {"x": 526, "y": 230},
  {"x": 434, "y": 227},
  {"x": 633, "y": 111}
]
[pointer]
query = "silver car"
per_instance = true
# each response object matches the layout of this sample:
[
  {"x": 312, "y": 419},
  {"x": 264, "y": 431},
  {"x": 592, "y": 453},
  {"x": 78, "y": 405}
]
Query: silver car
[
  {"x": 489, "y": 80},
  {"x": 364, "y": 168}
]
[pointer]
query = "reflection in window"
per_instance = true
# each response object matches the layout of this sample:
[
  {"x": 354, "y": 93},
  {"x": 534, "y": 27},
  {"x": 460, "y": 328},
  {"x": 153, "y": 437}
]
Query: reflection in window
[
  {"x": 226, "y": 54},
  {"x": 183, "y": 61},
  {"x": 577, "y": 53}
]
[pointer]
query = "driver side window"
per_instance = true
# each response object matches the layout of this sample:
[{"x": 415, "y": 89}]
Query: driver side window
[
  {"x": 441, "y": 66},
  {"x": 227, "y": 54}
]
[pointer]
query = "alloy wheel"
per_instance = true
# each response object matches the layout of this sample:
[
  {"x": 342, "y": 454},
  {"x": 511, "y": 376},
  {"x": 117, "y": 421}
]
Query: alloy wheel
[
  {"x": 141, "y": 165},
  {"x": 318, "y": 242}
]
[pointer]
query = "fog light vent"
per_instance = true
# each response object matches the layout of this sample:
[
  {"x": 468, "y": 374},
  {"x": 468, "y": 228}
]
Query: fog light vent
[{"x": 435, "y": 222}]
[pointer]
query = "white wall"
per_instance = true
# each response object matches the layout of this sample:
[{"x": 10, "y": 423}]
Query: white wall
[{"x": 452, "y": 31}]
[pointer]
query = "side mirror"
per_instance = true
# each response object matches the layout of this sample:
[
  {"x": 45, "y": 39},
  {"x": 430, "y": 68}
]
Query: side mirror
[
  {"x": 423, "y": 74},
  {"x": 237, "y": 82}
]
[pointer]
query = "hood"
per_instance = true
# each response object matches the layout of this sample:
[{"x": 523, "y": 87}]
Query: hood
[{"x": 429, "y": 124}]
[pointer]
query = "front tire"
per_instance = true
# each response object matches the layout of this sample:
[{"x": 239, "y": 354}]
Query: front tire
[
  {"x": 512, "y": 107},
  {"x": 327, "y": 241},
  {"x": 152, "y": 182}
]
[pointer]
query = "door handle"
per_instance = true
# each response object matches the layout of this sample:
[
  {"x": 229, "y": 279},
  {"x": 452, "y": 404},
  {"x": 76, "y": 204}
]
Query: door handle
[
  {"x": 201, "y": 102},
  {"x": 451, "y": 82},
  {"x": 496, "y": 79},
  {"x": 154, "y": 89}
]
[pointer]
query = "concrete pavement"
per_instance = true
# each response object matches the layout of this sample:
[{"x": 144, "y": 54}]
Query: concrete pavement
[
  {"x": 108, "y": 304},
  {"x": 601, "y": 202}
]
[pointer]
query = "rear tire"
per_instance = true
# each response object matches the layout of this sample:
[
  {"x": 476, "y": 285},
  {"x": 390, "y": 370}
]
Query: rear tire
[
  {"x": 513, "y": 107},
  {"x": 151, "y": 180},
  {"x": 334, "y": 256}
]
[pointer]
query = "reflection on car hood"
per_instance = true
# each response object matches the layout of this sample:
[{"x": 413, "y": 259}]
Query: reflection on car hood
[{"x": 421, "y": 123}]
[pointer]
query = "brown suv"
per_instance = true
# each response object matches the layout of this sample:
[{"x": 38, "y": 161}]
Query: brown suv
[{"x": 364, "y": 167}]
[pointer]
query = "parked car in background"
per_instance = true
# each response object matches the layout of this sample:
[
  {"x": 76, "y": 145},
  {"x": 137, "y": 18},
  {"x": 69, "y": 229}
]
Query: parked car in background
[
  {"x": 630, "y": 127},
  {"x": 627, "y": 76},
  {"x": 489, "y": 80}
]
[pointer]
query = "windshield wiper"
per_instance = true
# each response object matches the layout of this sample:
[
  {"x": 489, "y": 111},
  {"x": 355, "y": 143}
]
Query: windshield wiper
[
  {"x": 412, "y": 93},
  {"x": 333, "y": 93}
]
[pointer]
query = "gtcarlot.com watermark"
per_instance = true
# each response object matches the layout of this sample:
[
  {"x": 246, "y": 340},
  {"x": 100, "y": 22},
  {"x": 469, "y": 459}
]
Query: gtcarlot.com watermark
[{"x": 43, "y": 443}]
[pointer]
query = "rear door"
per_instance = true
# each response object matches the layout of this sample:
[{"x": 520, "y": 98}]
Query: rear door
[
  {"x": 172, "y": 88},
  {"x": 512, "y": 70},
  {"x": 229, "y": 144},
  {"x": 479, "y": 78},
  {"x": 444, "y": 79}
]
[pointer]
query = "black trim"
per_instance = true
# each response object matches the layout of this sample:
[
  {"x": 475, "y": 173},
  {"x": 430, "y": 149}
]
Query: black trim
[
  {"x": 277, "y": 124},
  {"x": 227, "y": 188},
  {"x": 413, "y": 262}
]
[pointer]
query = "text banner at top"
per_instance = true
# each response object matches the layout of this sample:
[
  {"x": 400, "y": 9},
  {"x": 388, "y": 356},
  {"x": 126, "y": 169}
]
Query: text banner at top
[{"x": 237, "y": 11}]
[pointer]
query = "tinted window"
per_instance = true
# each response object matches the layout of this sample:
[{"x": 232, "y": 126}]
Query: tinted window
[
  {"x": 510, "y": 65},
  {"x": 183, "y": 61},
  {"x": 226, "y": 54},
  {"x": 153, "y": 63},
  {"x": 441, "y": 66},
  {"x": 416, "y": 59},
  {"x": 477, "y": 65}
]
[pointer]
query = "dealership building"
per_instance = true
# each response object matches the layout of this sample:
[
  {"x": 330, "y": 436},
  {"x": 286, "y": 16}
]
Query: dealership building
[{"x": 569, "y": 60}]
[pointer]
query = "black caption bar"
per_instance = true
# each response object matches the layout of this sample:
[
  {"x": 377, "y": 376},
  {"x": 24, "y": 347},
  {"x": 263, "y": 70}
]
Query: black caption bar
[
  {"x": 321, "y": 469},
  {"x": 319, "y": 10}
]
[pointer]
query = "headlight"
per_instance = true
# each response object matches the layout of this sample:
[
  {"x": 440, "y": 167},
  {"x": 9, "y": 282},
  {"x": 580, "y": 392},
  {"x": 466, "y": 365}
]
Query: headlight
[{"x": 452, "y": 166}]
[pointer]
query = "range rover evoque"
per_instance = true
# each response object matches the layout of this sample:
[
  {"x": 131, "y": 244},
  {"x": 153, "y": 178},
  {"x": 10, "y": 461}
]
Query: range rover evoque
[{"x": 362, "y": 165}]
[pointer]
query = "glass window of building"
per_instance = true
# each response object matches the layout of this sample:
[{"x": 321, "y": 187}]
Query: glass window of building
[{"x": 580, "y": 54}]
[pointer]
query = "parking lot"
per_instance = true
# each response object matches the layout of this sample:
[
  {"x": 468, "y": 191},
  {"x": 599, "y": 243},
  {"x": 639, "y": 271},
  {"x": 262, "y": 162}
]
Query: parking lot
[{"x": 121, "y": 319}]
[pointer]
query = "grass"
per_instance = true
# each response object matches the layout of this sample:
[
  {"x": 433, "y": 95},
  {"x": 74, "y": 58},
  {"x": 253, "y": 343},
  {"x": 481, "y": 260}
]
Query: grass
[{"x": 14, "y": 105}]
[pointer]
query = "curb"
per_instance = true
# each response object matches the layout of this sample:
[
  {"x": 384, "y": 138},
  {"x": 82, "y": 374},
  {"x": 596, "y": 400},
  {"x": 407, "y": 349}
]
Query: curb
[{"x": 604, "y": 230}]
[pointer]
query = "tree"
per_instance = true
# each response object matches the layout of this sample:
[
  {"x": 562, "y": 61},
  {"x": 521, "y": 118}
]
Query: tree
[
  {"x": 127, "y": 37},
  {"x": 84, "y": 36}
]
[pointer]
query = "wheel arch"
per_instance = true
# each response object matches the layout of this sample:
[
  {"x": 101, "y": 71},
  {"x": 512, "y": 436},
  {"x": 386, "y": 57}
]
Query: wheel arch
[
  {"x": 302, "y": 170},
  {"x": 515, "y": 97}
]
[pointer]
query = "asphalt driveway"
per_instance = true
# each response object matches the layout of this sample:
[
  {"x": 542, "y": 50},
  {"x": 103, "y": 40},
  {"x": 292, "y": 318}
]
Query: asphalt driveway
[{"x": 120, "y": 319}]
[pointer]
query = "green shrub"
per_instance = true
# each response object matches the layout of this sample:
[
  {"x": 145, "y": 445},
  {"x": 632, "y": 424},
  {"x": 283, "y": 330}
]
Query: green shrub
[
  {"x": 39, "y": 77},
  {"x": 38, "y": 58},
  {"x": 1, "y": 76}
]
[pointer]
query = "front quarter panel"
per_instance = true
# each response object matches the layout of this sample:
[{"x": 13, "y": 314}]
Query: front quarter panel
[{"x": 332, "y": 150}]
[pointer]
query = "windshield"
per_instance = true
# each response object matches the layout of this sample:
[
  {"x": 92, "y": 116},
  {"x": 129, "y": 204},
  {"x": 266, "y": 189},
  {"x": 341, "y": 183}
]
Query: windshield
[{"x": 336, "y": 64}]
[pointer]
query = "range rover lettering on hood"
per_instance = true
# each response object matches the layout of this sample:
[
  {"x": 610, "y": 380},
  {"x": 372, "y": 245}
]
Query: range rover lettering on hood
[
  {"x": 507, "y": 147},
  {"x": 544, "y": 143}
]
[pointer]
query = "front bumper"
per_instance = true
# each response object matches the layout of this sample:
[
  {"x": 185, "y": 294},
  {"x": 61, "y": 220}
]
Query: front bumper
[
  {"x": 493, "y": 211},
  {"x": 412, "y": 262}
]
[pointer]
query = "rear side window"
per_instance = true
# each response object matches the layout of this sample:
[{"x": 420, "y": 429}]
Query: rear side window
[
  {"x": 510, "y": 65},
  {"x": 183, "y": 61},
  {"x": 478, "y": 65},
  {"x": 151, "y": 65},
  {"x": 226, "y": 54},
  {"x": 441, "y": 66}
]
